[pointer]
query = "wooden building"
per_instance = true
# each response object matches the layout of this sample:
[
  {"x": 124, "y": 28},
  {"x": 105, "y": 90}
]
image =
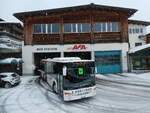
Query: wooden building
[
  {"x": 148, "y": 38},
  {"x": 88, "y": 31}
]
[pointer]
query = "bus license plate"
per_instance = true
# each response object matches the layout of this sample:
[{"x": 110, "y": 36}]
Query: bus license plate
[{"x": 82, "y": 91}]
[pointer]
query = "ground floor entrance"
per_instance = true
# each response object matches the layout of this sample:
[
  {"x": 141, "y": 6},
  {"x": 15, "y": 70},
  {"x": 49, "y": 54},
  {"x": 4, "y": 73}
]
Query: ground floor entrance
[
  {"x": 82, "y": 55},
  {"x": 108, "y": 62},
  {"x": 39, "y": 56},
  {"x": 140, "y": 60}
]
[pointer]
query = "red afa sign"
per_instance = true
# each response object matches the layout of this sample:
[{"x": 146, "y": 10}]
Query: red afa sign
[{"x": 78, "y": 47}]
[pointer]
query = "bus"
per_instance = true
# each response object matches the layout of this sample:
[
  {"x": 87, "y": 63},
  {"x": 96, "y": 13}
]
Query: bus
[{"x": 70, "y": 77}]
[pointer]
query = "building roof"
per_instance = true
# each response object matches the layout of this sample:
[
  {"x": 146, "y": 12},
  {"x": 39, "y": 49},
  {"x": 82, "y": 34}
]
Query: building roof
[
  {"x": 148, "y": 35},
  {"x": 146, "y": 23},
  {"x": 1, "y": 19},
  {"x": 127, "y": 11},
  {"x": 139, "y": 48},
  {"x": 11, "y": 23}
]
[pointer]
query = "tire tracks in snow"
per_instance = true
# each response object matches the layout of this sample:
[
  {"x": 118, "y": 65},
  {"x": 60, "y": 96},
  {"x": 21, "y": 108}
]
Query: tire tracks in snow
[
  {"x": 29, "y": 87},
  {"x": 4, "y": 104},
  {"x": 51, "y": 99},
  {"x": 25, "y": 89}
]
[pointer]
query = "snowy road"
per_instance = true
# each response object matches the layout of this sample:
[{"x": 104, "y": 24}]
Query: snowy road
[{"x": 115, "y": 94}]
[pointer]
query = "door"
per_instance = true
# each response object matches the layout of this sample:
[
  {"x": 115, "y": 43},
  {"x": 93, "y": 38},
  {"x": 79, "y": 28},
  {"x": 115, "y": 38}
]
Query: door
[{"x": 108, "y": 62}]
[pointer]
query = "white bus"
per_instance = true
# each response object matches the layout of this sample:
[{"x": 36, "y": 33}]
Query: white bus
[{"x": 70, "y": 77}]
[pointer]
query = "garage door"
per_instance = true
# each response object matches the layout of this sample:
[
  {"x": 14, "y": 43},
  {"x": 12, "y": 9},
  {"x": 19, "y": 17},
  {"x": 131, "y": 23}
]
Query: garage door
[{"x": 108, "y": 62}]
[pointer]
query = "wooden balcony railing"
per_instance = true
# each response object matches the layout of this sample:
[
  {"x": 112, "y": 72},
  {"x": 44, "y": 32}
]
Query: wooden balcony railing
[
  {"x": 74, "y": 38},
  {"x": 107, "y": 37},
  {"x": 71, "y": 38},
  {"x": 46, "y": 39}
]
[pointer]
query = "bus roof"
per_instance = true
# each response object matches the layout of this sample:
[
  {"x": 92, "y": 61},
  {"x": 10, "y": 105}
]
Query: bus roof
[{"x": 66, "y": 60}]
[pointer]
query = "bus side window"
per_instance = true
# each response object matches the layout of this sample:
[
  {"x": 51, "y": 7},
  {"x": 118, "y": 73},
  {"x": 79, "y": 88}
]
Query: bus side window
[{"x": 57, "y": 68}]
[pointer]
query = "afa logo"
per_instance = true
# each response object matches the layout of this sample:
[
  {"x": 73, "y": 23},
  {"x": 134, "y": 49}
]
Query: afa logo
[{"x": 78, "y": 47}]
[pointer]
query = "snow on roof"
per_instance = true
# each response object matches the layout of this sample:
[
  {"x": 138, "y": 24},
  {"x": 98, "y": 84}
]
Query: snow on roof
[
  {"x": 66, "y": 59},
  {"x": 4, "y": 22},
  {"x": 7, "y": 73},
  {"x": 11, "y": 61},
  {"x": 138, "y": 48}
]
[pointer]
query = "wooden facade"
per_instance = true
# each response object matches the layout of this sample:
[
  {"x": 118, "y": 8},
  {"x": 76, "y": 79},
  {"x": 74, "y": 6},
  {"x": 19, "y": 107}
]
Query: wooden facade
[
  {"x": 148, "y": 38},
  {"x": 80, "y": 14}
]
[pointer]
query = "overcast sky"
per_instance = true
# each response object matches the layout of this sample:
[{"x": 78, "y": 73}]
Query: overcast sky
[{"x": 9, "y": 7}]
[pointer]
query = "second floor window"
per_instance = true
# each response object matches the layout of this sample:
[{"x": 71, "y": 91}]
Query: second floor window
[
  {"x": 53, "y": 28},
  {"x": 135, "y": 30},
  {"x": 106, "y": 27},
  {"x": 39, "y": 28},
  {"x": 77, "y": 28},
  {"x": 46, "y": 28}
]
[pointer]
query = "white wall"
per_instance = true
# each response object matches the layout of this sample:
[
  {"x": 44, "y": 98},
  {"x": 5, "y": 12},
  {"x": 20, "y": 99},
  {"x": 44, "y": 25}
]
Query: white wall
[
  {"x": 134, "y": 37},
  {"x": 28, "y": 52},
  {"x": 27, "y": 56}
]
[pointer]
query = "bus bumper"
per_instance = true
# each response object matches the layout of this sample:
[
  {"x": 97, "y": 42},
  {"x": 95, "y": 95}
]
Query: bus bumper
[{"x": 70, "y": 95}]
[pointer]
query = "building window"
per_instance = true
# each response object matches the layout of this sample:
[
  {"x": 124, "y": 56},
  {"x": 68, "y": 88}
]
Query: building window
[
  {"x": 85, "y": 28},
  {"x": 109, "y": 27},
  {"x": 67, "y": 28},
  {"x": 141, "y": 30},
  {"x": 137, "y": 30},
  {"x": 133, "y": 31},
  {"x": 138, "y": 44},
  {"x": 39, "y": 28},
  {"x": 53, "y": 28},
  {"x": 106, "y": 27},
  {"x": 97, "y": 27},
  {"x": 46, "y": 28},
  {"x": 115, "y": 27},
  {"x": 130, "y": 30},
  {"x": 77, "y": 28}
]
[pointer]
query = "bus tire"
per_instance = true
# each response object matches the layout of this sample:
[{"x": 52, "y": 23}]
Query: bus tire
[
  {"x": 54, "y": 87},
  {"x": 45, "y": 78}
]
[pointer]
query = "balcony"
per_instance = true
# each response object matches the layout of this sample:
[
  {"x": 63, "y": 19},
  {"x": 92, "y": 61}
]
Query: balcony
[
  {"x": 107, "y": 37},
  {"x": 72, "y": 38},
  {"x": 44, "y": 39},
  {"x": 77, "y": 38}
]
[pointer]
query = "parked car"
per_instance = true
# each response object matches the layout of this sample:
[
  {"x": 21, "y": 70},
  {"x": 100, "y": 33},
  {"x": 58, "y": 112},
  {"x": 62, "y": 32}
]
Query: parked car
[{"x": 9, "y": 79}]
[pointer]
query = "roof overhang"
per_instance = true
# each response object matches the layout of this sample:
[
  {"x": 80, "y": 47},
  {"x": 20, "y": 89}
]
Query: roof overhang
[
  {"x": 138, "y": 22},
  {"x": 128, "y": 11},
  {"x": 139, "y": 48}
]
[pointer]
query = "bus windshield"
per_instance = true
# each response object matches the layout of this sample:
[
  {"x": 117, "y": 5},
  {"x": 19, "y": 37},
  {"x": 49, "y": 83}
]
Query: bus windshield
[{"x": 79, "y": 74}]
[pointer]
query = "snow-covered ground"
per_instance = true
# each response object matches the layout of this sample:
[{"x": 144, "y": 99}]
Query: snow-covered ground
[{"x": 116, "y": 93}]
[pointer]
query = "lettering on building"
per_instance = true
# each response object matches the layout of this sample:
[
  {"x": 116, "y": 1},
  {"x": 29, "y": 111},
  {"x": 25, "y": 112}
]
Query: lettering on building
[
  {"x": 78, "y": 47},
  {"x": 46, "y": 49}
]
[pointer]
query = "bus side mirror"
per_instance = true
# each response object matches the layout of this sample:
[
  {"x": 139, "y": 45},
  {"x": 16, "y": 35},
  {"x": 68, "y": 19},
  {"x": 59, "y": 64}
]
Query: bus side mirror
[
  {"x": 64, "y": 71},
  {"x": 96, "y": 70}
]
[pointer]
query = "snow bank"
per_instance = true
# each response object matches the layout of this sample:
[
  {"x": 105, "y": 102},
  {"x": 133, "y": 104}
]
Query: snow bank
[{"x": 141, "y": 75}]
